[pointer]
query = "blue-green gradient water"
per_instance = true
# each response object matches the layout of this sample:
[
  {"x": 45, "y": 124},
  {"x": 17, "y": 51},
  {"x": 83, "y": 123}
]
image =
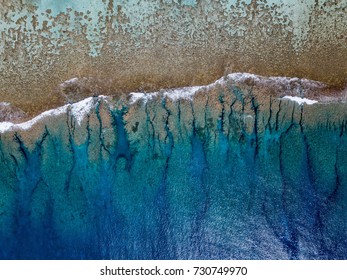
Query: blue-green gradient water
[{"x": 229, "y": 174}]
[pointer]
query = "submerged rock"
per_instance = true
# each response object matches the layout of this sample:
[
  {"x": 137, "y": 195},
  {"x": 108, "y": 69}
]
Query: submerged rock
[{"x": 10, "y": 113}]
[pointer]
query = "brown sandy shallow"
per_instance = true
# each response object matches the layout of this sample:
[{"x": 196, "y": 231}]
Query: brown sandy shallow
[
  {"x": 36, "y": 92},
  {"x": 170, "y": 54}
]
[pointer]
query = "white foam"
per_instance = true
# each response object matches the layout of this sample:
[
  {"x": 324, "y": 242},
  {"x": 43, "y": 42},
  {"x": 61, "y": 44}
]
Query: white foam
[
  {"x": 5, "y": 126},
  {"x": 289, "y": 84},
  {"x": 173, "y": 94},
  {"x": 182, "y": 93},
  {"x": 80, "y": 109},
  {"x": 136, "y": 96},
  {"x": 300, "y": 100},
  {"x": 103, "y": 97},
  {"x": 5, "y": 104},
  {"x": 242, "y": 77}
]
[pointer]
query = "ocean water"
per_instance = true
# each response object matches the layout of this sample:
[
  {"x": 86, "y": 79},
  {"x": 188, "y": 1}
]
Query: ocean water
[{"x": 234, "y": 170}]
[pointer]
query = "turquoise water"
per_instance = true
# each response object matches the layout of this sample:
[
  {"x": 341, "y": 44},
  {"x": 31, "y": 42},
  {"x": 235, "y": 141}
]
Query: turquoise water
[{"x": 226, "y": 175}]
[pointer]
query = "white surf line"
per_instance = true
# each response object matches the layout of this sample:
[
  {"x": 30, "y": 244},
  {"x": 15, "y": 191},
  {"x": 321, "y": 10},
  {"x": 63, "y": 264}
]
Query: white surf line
[
  {"x": 300, "y": 100},
  {"x": 7, "y": 126},
  {"x": 78, "y": 110},
  {"x": 189, "y": 92}
]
